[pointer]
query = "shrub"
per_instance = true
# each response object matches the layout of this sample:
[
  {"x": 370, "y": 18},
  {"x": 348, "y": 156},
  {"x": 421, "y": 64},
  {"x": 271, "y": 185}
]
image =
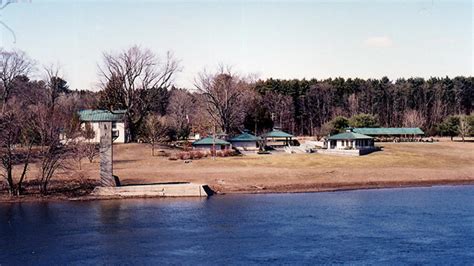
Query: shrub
[
  {"x": 229, "y": 153},
  {"x": 163, "y": 153},
  {"x": 183, "y": 155},
  {"x": 197, "y": 154}
]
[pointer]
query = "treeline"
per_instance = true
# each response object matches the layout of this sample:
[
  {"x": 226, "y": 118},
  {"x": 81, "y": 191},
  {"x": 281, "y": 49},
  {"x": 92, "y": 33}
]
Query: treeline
[
  {"x": 225, "y": 102},
  {"x": 140, "y": 82},
  {"x": 309, "y": 104}
]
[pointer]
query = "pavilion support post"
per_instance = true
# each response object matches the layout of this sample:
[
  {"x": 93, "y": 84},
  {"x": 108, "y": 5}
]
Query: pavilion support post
[{"x": 106, "y": 155}]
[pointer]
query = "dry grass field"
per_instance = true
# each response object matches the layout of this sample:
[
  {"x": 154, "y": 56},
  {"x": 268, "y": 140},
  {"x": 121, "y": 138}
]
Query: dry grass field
[{"x": 399, "y": 164}]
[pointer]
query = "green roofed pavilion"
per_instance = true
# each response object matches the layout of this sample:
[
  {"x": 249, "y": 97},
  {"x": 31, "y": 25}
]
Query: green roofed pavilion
[
  {"x": 348, "y": 136},
  {"x": 276, "y": 133},
  {"x": 101, "y": 115},
  {"x": 389, "y": 131},
  {"x": 210, "y": 141},
  {"x": 245, "y": 137},
  {"x": 277, "y": 138}
]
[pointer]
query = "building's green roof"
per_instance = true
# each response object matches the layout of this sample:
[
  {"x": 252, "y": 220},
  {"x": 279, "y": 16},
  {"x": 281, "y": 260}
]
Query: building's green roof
[
  {"x": 245, "y": 137},
  {"x": 277, "y": 134},
  {"x": 389, "y": 131},
  {"x": 210, "y": 141},
  {"x": 101, "y": 115},
  {"x": 348, "y": 135}
]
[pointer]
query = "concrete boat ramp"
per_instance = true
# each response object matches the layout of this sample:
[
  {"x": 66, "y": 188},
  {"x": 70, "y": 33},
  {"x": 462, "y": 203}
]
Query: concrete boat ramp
[{"x": 154, "y": 190}]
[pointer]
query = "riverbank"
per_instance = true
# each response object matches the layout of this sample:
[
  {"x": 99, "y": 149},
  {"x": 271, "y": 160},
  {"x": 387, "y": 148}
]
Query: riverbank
[
  {"x": 398, "y": 165},
  {"x": 295, "y": 188}
]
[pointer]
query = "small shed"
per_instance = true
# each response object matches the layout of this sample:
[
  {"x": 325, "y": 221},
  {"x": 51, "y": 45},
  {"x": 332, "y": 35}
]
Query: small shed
[
  {"x": 245, "y": 141},
  {"x": 208, "y": 143},
  {"x": 277, "y": 138},
  {"x": 350, "y": 141}
]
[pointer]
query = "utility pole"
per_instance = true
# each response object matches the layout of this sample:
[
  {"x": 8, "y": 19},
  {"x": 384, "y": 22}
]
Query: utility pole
[{"x": 214, "y": 143}]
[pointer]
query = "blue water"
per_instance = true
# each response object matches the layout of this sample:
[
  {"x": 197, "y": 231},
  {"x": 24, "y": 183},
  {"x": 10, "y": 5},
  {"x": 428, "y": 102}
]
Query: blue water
[{"x": 389, "y": 226}]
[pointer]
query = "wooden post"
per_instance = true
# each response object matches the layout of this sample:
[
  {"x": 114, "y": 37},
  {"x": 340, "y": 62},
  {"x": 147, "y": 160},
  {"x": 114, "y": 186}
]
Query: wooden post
[{"x": 106, "y": 155}]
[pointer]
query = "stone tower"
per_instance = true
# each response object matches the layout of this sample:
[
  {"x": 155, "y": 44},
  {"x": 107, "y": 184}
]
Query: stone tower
[{"x": 106, "y": 155}]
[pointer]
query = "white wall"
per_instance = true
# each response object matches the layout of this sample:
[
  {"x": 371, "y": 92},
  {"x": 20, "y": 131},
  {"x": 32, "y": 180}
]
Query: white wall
[
  {"x": 208, "y": 147},
  {"x": 120, "y": 126},
  {"x": 348, "y": 143},
  {"x": 121, "y": 129},
  {"x": 245, "y": 144}
]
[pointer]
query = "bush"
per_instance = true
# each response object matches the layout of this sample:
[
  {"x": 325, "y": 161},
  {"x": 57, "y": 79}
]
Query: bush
[
  {"x": 163, "y": 153},
  {"x": 197, "y": 154},
  {"x": 229, "y": 153},
  {"x": 184, "y": 155}
]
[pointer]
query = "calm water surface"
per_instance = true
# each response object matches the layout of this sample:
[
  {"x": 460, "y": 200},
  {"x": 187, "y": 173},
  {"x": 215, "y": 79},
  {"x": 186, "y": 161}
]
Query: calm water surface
[{"x": 417, "y": 225}]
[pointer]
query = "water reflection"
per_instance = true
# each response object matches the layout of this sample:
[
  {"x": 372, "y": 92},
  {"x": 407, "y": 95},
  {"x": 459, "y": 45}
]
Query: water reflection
[{"x": 384, "y": 226}]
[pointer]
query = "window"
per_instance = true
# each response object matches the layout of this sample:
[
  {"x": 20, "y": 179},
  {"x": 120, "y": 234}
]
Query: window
[{"x": 114, "y": 125}]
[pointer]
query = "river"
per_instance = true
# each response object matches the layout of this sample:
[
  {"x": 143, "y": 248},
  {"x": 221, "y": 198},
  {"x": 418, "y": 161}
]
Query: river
[{"x": 388, "y": 226}]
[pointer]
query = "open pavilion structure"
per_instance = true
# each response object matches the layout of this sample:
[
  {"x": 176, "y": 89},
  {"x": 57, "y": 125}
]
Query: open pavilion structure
[
  {"x": 391, "y": 133},
  {"x": 277, "y": 138}
]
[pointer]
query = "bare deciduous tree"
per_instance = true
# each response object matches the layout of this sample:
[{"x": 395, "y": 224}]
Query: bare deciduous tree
[
  {"x": 91, "y": 149},
  {"x": 201, "y": 122},
  {"x": 155, "y": 130},
  {"x": 12, "y": 65},
  {"x": 16, "y": 143},
  {"x": 353, "y": 104},
  {"x": 464, "y": 128},
  {"x": 49, "y": 120},
  {"x": 51, "y": 153},
  {"x": 438, "y": 112},
  {"x": 281, "y": 107},
  {"x": 225, "y": 95},
  {"x": 413, "y": 118},
  {"x": 319, "y": 98},
  {"x": 134, "y": 76},
  {"x": 181, "y": 109}
]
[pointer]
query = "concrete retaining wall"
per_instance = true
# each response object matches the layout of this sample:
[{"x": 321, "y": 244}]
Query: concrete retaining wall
[
  {"x": 348, "y": 152},
  {"x": 155, "y": 190},
  {"x": 340, "y": 152}
]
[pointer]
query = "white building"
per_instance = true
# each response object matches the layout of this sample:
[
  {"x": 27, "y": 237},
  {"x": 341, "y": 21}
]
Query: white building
[
  {"x": 210, "y": 143},
  {"x": 94, "y": 117},
  {"x": 350, "y": 143},
  {"x": 246, "y": 141}
]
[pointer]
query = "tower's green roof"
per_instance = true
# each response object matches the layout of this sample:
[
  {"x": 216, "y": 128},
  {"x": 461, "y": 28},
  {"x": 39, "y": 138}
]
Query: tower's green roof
[
  {"x": 210, "y": 141},
  {"x": 245, "y": 137},
  {"x": 101, "y": 115},
  {"x": 349, "y": 136},
  {"x": 389, "y": 131},
  {"x": 276, "y": 133}
]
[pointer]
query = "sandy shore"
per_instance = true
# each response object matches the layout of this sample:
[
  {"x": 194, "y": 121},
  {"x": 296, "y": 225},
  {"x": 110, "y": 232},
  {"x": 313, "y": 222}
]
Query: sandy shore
[{"x": 398, "y": 165}]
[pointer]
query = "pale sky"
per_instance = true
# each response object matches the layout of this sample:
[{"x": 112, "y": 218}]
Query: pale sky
[{"x": 279, "y": 39}]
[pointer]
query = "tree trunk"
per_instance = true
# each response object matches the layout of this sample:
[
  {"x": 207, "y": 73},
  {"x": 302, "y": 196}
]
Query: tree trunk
[{"x": 11, "y": 185}]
